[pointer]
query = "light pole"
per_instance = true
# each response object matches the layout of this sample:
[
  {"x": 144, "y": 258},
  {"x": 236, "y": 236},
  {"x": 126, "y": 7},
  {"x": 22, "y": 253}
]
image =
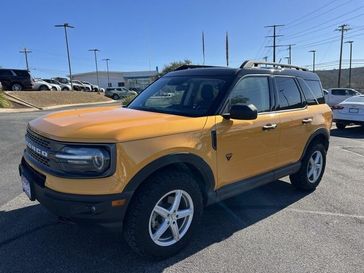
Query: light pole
[
  {"x": 351, "y": 59},
  {"x": 26, "y": 51},
  {"x": 65, "y": 26},
  {"x": 107, "y": 70},
  {"x": 313, "y": 59},
  {"x": 97, "y": 71}
]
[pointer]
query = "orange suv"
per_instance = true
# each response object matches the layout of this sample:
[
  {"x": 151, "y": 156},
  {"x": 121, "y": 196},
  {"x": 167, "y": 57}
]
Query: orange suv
[{"x": 194, "y": 137}]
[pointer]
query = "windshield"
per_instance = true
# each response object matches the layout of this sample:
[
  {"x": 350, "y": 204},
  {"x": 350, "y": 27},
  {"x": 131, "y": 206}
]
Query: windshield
[{"x": 187, "y": 96}]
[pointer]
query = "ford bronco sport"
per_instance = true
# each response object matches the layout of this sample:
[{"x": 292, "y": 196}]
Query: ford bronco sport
[{"x": 195, "y": 136}]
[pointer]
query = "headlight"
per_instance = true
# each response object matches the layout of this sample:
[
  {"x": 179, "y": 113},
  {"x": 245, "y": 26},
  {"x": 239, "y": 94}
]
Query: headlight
[{"x": 83, "y": 160}]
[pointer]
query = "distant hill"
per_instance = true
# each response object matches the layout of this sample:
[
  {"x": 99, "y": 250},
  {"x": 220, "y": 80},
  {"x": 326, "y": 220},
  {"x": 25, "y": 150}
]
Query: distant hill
[{"x": 329, "y": 78}]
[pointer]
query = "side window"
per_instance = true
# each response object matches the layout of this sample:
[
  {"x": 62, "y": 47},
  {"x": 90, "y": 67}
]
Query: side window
[
  {"x": 5, "y": 72},
  {"x": 338, "y": 92},
  {"x": 252, "y": 90},
  {"x": 310, "y": 97},
  {"x": 316, "y": 89},
  {"x": 289, "y": 96},
  {"x": 351, "y": 92}
]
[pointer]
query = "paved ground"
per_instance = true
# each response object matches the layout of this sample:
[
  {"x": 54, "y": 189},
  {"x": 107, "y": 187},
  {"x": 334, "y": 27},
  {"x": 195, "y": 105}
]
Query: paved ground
[{"x": 270, "y": 229}]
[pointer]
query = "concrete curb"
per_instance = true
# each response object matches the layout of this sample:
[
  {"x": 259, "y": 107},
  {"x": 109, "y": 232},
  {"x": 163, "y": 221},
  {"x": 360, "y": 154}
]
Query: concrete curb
[{"x": 77, "y": 104}]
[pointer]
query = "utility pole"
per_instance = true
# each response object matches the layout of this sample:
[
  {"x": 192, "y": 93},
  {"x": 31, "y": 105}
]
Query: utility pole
[
  {"x": 65, "y": 26},
  {"x": 227, "y": 48},
  {"x": 290, "y": 53},
  {"x": 107, "y": 69},
  {"x": 342, "y": 29},
  {"x": 95, "y": 50},
  {"x": 313, "y": 59},
  {"x": 26, "y": 52},
  {"x": 274, "y": 36},
  {"x": 203, "y": 47},
  {"x": 351, "y": 59}
]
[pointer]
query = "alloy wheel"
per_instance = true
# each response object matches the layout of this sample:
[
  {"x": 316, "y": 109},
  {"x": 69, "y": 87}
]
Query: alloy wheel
[{"x": 171, "y": 218}]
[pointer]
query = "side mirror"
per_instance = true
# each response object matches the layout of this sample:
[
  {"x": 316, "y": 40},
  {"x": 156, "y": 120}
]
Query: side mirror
[{"x": 242, "y": 111}]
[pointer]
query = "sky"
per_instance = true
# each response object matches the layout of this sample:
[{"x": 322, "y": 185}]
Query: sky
[{"x": 140, "y": 35}]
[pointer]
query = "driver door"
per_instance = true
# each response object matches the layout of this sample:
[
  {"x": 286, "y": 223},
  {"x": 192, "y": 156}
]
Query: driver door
[{"x": 246, "y": 148}]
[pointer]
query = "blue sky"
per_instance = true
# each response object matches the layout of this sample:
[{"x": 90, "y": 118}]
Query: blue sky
[{"x": 140, "y": 35}]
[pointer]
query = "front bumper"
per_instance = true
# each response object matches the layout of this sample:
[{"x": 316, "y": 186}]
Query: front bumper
[{"x": 106, "y": 210}]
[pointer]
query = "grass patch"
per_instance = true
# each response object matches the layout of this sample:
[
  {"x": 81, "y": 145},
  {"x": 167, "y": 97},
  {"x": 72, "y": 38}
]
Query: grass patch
[
  {"x": 128, "y": 99},
  {"x": 4, "y": 103},
  {"x": 53, "y": 98}
]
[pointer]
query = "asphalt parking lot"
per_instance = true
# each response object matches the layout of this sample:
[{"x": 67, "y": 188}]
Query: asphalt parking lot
[{"x": 270, "y": 229}]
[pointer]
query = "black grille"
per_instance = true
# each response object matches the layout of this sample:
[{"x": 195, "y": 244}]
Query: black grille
[
  {"x": 38, "y": 139},
  {"x": 40, "y": 142},
  {"x": 41, "y": 159}
]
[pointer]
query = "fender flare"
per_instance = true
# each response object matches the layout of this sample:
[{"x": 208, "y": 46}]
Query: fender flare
[
  {"x": 185, "y": 158},
  {"x": 321, "y": 131}
]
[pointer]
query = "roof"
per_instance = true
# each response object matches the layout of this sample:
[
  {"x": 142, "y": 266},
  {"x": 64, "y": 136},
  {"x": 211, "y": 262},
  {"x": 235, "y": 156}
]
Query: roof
[{"x": 279, "y": 69}]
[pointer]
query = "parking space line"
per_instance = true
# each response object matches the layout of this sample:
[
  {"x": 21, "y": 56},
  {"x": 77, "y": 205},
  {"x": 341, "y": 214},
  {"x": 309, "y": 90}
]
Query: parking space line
[
  {"x": 327, "y": 213},
  {"x": 352, "y": 152}
]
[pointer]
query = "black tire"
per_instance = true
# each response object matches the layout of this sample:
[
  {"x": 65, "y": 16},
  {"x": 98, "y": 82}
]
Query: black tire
[
  {"x": 43, "y": 88},
  {"x": 340, "y": 125},
  {"x": 137, "y": 221},
  {"x": 65, "y": 89},
  {"x": 16, "y": 87},
  {"x": 54, "y": 88},
  {"x": 115, "y": 97},
  {"x": 301, "y": 180}
]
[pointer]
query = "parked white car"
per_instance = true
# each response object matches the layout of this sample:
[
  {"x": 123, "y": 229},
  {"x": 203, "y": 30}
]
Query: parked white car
[
  {"x": 63, "y": 86},
  {"x": 117, "y": 93},
  {"x": 336, "y": 95},
  {"x": 40, "y": 85},
  {"x": 350, "y": 111},
  {"x": 88, "y": 86}
]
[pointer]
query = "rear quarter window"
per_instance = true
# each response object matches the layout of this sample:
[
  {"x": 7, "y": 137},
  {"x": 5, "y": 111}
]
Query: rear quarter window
[
  {"x": 312, "y": 91},
  {"x": 22, "y": 73}
]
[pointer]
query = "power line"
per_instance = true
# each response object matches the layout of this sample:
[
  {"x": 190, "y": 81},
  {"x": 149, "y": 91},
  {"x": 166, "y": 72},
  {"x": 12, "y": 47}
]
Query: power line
[
  {"x": 320, "y": 14},
  {"x": 310, "y": 13},
  {"x": 274, "y": 36},
  {"x": 26, "y": 51}
]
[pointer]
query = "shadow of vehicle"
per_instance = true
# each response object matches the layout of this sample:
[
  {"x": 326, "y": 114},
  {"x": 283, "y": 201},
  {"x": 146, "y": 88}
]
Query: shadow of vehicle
[
  {"x": 356, "y": 132},
  {"x": 33, "y": 241}
]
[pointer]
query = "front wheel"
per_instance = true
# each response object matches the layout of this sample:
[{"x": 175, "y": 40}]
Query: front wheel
[
  {"x": 340, "y": 126},
  {"x": 163, "y": 214},
  {"x": 312, "y": 168}
]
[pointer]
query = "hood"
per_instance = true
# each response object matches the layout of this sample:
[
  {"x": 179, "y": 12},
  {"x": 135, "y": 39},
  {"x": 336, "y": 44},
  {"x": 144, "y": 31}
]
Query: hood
[{"x": 111, "y": 124}]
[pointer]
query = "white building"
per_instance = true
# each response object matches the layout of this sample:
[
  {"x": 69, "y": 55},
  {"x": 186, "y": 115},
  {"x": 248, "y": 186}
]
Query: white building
[{"x": 134, "y": 80}]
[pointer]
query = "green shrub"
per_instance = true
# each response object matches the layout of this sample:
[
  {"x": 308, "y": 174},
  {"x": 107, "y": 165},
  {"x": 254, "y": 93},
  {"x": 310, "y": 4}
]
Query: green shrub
[
  {"x": 128, "y": 99},
  {"x": 4, "y": 103}
]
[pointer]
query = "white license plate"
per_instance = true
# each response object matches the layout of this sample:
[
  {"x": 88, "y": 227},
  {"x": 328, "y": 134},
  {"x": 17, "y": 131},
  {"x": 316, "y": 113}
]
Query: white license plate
[
  {"x": 26, "y": 186},
  {"x": 353, "y": 110}
]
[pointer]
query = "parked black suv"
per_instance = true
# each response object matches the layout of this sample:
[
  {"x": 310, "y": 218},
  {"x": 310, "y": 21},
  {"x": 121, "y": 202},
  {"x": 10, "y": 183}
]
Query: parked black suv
[{"x": 15, "y": 79}]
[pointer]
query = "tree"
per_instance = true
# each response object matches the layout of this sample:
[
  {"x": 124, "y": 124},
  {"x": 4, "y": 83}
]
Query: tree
[{"x": 173, "y": 65}]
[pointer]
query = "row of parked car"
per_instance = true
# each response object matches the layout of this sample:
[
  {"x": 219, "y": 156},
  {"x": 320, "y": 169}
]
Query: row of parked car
[
  {"x": 18, "y": 79},
  {"x": 347, "y": 106}
]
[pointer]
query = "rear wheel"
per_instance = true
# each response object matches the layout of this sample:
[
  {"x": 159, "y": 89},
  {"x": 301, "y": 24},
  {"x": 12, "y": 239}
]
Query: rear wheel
[
  {"x": 16, "y": 87},
  {"x": 163, "y": 215},
  {"x": 312, "y": 168},
  {"x": 340, "y": 125},
  {"x": 43, "y": 88},
  {"x": 115, "y": 97},
  {"x": 54, "y": 88}
]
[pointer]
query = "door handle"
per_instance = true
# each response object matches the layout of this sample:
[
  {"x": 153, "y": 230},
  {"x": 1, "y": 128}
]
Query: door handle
[
  {"x": 307, "y": 120},
  {"x": 270, "y": 126}
]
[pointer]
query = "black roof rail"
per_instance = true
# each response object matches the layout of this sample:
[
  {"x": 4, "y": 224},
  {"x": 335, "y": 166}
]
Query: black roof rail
[
  {"x": 191, "y": 66},
  {"x": 253, "y": 64}
]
